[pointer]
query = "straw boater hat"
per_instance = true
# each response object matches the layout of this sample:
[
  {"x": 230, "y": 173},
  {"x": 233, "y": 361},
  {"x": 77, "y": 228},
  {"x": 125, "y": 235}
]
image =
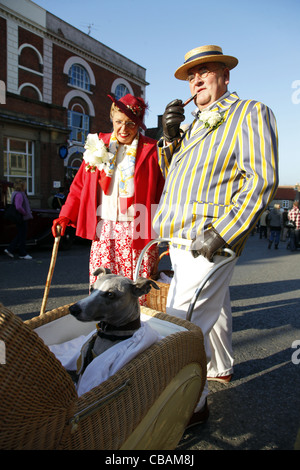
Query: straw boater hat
[
  {"x": 133, "y": 107},
  {"x": 202, "y": 55}
]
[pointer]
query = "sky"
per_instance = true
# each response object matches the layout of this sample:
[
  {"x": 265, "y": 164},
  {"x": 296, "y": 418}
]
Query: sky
[{"x": 263, "y": 34}]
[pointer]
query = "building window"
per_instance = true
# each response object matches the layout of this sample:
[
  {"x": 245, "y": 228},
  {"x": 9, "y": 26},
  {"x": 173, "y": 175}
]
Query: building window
[
  {"x": 79, "y": 77},
  {"x": 285, "y": 204},
  {"x": 19, "y": 161},
  {"x": 74, "y": 167},
  {"x": 121, "y": 90},
  {"x": 121, "y": 87},
  {"x": 79, "y": 124}
]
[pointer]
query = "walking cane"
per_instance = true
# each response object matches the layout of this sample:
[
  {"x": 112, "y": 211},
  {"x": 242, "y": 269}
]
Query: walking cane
[{"x": 51, "y": 269}]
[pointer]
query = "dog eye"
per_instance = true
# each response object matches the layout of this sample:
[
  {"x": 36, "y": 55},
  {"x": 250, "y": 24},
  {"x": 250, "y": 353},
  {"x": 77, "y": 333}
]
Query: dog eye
[{"x": 110, "y": 295}]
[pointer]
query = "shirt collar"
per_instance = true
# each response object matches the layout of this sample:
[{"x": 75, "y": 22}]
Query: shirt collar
[{"x": 197, "y": 112}]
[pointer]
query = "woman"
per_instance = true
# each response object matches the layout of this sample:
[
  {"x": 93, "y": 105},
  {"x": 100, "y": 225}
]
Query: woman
[
  {"x": 115, "y": 191},
  {"x": 20, "y": 200}
]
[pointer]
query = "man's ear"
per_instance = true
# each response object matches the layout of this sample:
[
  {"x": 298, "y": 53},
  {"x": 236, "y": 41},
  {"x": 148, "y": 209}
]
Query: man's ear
[{"x": 226, "y": 76}]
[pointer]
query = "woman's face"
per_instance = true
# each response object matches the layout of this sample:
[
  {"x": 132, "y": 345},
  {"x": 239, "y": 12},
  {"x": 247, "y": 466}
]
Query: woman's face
[{"x": 125, "y": 130}]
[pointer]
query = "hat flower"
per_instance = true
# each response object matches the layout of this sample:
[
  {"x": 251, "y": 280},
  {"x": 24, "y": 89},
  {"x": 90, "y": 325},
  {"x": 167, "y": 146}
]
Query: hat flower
[
  {"x": 96, "y": 154},
  {"x": 211, "y": 119}
]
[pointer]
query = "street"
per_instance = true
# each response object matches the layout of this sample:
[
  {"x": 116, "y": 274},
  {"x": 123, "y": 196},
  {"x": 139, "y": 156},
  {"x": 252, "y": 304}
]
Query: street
[{"x": 260, "y": 408}]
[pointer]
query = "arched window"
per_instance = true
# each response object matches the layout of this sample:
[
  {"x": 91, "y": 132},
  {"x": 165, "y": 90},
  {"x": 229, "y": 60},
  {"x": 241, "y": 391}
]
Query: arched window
[
  {"x": 79, "y": 77},
  {"x": 121, "y": 90},
  {"x": 30, "y": 59},
  {"x": 121, "y": 87},
  {"x": 79, "y": 123}
]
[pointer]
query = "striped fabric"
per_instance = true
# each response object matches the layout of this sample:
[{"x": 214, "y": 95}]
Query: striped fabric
[{"x": 223, "y": 177}]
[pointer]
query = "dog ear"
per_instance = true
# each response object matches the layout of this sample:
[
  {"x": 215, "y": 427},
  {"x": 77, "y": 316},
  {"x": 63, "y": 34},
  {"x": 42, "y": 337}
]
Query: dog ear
[
  {"x": 142, "y": 286},
  {"x": 101, "y": 271}
]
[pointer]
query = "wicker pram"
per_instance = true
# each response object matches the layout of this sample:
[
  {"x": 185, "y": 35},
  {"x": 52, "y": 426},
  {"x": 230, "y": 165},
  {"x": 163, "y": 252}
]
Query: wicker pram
[
  {"x": 157, "y": 299},
  {"x": 146, "y": 405},
  {"x": 133, "y": 409}
]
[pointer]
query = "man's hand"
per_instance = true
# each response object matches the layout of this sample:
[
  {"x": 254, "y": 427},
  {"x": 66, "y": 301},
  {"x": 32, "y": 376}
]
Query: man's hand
[
  {"x": 63, "y": 222},
  {"x": 171, "y": 120},
  {"x": 207, "y": 244}
]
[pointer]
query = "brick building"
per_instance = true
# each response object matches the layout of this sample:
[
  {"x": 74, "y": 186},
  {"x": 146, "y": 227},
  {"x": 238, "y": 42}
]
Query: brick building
[
  {"x": 286, "y": 195},
  {"x": 54, "y": 81}
]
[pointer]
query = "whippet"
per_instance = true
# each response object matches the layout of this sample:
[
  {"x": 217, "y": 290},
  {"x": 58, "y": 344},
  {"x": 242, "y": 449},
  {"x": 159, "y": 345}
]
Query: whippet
[{"x": 114, "y": 302}]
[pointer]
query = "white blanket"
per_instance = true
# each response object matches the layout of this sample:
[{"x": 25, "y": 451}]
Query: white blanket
[{"x": 109, "y": 362}]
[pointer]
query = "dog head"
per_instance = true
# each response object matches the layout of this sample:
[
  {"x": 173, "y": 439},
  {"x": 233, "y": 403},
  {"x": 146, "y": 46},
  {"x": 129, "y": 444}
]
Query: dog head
[{"x": 113, "y": 299}]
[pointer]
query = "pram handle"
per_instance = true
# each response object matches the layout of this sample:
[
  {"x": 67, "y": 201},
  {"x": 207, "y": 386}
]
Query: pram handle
[{"x": 205, "y": 279}]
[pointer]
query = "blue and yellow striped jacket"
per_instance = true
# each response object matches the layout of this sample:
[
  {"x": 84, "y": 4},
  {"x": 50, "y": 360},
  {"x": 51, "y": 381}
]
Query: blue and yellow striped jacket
[{"x": 222, "y": 177}]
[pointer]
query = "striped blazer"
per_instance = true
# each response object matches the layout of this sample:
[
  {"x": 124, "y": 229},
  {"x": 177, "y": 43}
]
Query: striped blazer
[{"x": 222, "y": 177}]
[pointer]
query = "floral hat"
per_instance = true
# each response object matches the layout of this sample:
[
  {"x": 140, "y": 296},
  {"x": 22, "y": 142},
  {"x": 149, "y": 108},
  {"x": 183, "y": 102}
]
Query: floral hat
[{"x": 133, "y": 107}]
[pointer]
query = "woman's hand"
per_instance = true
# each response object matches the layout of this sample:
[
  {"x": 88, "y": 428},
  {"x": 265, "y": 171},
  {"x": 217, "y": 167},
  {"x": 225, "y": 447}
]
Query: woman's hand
[{"x": 63, "y": 222}]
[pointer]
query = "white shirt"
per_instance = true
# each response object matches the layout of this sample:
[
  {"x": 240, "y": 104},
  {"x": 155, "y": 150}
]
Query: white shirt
[{"x": 109, "y": 208}]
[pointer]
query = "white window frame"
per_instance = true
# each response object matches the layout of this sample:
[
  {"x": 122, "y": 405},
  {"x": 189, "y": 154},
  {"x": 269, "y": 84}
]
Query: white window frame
[
  {"x": 121, "y": 81},
  {"x": 25, "y": 173},
  {"x": 78, "y": 77},
  {"x": 76, "y": 130}
]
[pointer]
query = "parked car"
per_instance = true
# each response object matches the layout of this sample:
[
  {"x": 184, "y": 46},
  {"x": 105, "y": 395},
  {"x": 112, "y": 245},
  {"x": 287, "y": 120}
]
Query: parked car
[{"x": 39, "y": 228}]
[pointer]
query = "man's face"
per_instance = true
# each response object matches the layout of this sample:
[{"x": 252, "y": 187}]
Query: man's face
[{"x": 209, "y": 81}]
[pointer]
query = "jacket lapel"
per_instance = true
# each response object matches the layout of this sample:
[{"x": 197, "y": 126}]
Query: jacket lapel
[{"x": 197, "y": 132}]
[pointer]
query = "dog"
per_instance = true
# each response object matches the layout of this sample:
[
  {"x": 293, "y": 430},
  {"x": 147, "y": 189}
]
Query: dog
[{"x": 114, "y": 303}]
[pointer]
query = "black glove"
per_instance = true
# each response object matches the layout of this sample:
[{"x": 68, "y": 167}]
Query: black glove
[
  {"x": 207, "y": 244},
  {"x": 171, "y": 120}
]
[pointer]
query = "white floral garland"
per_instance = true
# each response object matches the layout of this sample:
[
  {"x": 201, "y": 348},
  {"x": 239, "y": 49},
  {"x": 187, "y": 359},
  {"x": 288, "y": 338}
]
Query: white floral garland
[{"x": 96, "y": 154}]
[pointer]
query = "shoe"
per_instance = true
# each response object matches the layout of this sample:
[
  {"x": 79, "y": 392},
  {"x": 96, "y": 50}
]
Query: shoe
[
  {"x": 222, "y": 379},
  {"x": 200, "y": 417},
  {"x": 9, "y": 253},
  {"x": 25, "y": 257}
]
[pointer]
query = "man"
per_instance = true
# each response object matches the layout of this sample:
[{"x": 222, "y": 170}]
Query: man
[
  {"x": 263, "y": 224},
  {"x": 221, "y": 174},
  {"x": 59, "y": 199},
  {"x": 275, "y": 222}
]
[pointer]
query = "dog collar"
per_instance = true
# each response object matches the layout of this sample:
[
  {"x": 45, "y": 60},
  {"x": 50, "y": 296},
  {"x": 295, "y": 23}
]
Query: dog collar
[
  {"x": 134, "y": 325},
  {"x": 104, "y": 330},
  {"x": 113, "y": 337}
]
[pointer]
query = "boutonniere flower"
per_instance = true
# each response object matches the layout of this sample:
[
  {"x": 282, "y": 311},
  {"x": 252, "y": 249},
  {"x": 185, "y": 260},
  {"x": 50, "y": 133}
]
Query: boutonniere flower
[
  {"x": 96, "y": 154},
  {"x": 211, "y": 119}
]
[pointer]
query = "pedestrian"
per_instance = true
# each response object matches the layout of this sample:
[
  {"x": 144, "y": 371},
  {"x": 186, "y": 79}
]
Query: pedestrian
[
  {"x": 263, "y": 228},
  {"x": 225, "y": 169},
  {"x": 59, "y": 199},
  {"x": 294, "y": 216},
  {"x": 20, "y": 200},
  {"x": 284, "y": 227},
  {"x": 111, "y": 198},
  {"x": 275, "y": 222}
]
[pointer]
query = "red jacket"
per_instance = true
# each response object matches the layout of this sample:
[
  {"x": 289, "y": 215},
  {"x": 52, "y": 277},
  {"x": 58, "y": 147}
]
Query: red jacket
[{"x": 81, "y": 204}]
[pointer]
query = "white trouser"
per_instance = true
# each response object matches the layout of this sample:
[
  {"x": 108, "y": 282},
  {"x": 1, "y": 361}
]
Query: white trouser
[{"x": 212, "y": 311}]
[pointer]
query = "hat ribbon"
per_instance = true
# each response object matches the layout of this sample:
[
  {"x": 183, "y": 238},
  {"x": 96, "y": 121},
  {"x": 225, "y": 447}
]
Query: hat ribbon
[{"x": 201, "y": 54}]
